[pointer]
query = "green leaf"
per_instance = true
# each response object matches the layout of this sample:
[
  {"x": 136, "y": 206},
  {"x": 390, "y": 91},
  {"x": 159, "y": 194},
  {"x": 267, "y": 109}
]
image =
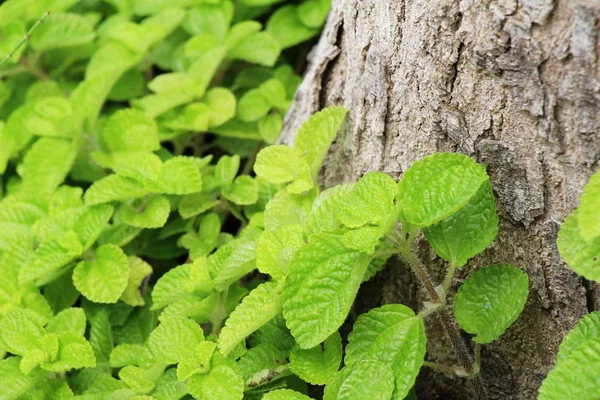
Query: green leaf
[
  {"x": 239, "y": 31},
  {"x": 284, "y": 164},
  {"x": 137, "y": 379},
  {"x": 68, "y": 320},
  {"x": 391, "y": 335},
  {"x": 62, "y": 30},
  {"x": 101, "y": 336},
  {"x": 437, "y": 186},
  {"x": 227, "y": 168},
  {"x": 364, "y": 380},
  {"x": 130, "y": 130},
  {"x": 168, "y": 387},
  {"x": 256, "y": 309},
  {"x": 74, "y": 352},
  {"x": 153, "y": 213},
  {"x": 258, "y": 48},
  {"x": 253, "y": 106},
  {"x": 50, "y": 256},
  {"x": 363, "y": 239},
  {"x": 14, "y": 382},
  {"x": 313, "y": 13},
  {"x": 243, "y": 191},
  {"x": 112, "y": 188},
  {"x": 371, "y": 201},
  {"x": 207, "y": 19},
  {"x": 321, "y": 287},
  {"x": 171, "y": 286},
  {"x": 589, "y": 218},
  {"x": 91, "y": 223},
  {"x": 270, "y": 127},
  {"x": 139, "y": 274},
  {"x": 240, "y": 262},
  {"x": 581, "y": 256},
  {"x": 318, "y": 364},
  {"x": 171, "y": 340},
  {"x": 46, "y": 164},
  {"x": 196, "y": 204},
  {"x": 140, "y": 166},
  {"x": 197, "y": 363},
  {"x": 286, "y": 209},
  {"x": 180, "y": 175},
  {"x": 221, "y": 383},
  {"x": 103, "y": 279},
  {"x": 322, "y": 216},
  {"x": 490, "y": 301},
  {"x": 20, "y": 332},
  {"x": 222, "y": 105},
  {"x": 468, "y": 232},
  {"x": 316, "y": 135},
  {"x": 285, "y": 26},
  {"x": 285, "y": 394},
  {"x": 575, "y": 375},
  {"x": 275, "y": 250}
]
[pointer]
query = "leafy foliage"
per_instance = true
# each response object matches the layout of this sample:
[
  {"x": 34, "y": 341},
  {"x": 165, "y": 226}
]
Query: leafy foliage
[{"x": 141, "y": 258}]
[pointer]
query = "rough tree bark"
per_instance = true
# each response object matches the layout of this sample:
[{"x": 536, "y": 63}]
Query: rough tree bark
[{"x": 514, "y": 84}]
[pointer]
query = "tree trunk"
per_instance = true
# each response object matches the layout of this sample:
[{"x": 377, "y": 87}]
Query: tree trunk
[{"x": 514, "y": 84}]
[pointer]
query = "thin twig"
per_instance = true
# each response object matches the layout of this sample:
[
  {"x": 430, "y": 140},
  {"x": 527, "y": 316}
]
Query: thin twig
[{"x": 25, "y": 38}]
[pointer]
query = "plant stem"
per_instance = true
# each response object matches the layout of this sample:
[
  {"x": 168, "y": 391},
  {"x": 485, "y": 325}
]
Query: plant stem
[
  {"x": 25, "y": 38},
  {"x": 448, "y": 280},
  {"x": 422, "y": 274},
  {"x": 440, "y": 367}
]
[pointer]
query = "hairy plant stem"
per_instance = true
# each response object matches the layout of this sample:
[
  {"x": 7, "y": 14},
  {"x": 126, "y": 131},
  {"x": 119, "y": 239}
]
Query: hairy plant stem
[{"x": 460, "y": 349}]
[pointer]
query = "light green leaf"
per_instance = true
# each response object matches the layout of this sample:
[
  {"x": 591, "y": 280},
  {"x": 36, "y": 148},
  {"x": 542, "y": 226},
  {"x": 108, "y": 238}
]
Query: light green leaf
[
  {"x": 286, "y": 209},
  {"x": 239, "y": 31},
  {"x": 111, "y": 188},
  {"x": 313, "y": 13},
  {"x": 589, "y": 217},
  {"x": 68, "y": 320},
  {"x": 139, "y": 274},
  {"x": 101, "y": 336},
  {"x": 256, "y": 309},
  {"x": 180, "y": 175},
  {"x": 364, "y": 380},
  {"x": 62, "y": 30},
  {"x": 575, "y": 375},
  {"x": 46, "y": 164},
  {"x": 50, "y": 256},
  {"x": 243, "y": 191},
  {"x": 207, "y": 19},
  {"x": 490, "y": 301},
  {"x": 14, "y": 382},
  {"x": 371, "y": 201},
  {"x": 391, "y": 335},
  {"x": 140, "y": 166},
  {"x": 284, "y": 164},
  {"x": 194, "y": 117},
  {"x": 103, "y": 279},
  {"x": 20, "y": 332},
  {"x": 285, "y": 394},
  {"x": 168, "y": 387},
  {"x": 253, "y": 106},
  {"x": 152, "y": 213},
  {"x": 258, "y": 48},
  {"x": 196, "y": 204},
  {"x": 198, "y": 362},
  {"x": 270, "y": 127},
  {"x": 437, "y": 186},
  {"x": 322, "y": 216},
  {"x": 316, "y": 135},
  {"x": 587, "y": 329},
  {"x": 285, "y": 26},
  {"x": 363, "y": 239},
  {"x": 221, "y": 383},
  {"x": 469, "y": 231},
  {"x": 171, "y": 286},
  {"x": 317, "y": 365},
  {"x": 581, "y": 256},
  {"x": 241, "y": 262},
  {"x": 321, "y": 287},
  {"x": 91, "y": 223},
  {"x": 227, "y": 168},
  {"x": 74, "y": 352},
  {"x": 171, "y": 341},
  {"x": 130, "y": 354},
  {"x": 275, "y": 250},
  {"x": 130, "y": 130},
  {"x": 222, "y": 105}
]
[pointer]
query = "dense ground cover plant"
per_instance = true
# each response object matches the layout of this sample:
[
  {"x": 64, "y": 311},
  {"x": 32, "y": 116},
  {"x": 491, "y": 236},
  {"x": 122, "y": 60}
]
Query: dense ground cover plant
[{"x": 141, "y": 257}]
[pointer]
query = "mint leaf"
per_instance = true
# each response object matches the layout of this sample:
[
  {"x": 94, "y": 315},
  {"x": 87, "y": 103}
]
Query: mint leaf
[
  {"x": 222, "y": 105},
  {"x": 316, "y": 135},
  {"x": 468, "y": 232},
  {"x": 589, "y": 221},
  {"x": 285, "y": 26},
  {"x": 171, "y": 340},
  {"x": 258, "y": 48},
  {"x": 576, "y": 371},
  {"x": 285, "y": 394},
  {"x": 581, "y": 256},
  {"x": 74, "y": 352},
  {"x": 490, "y": 301},
  {"x": 261, "y": 305},
  {"x": 391, "y": 335},
  {"x": 139, "y": 274},
  {"x": 320, "y": 288},
  {"x": 62, "y": 30},
  {"x": 112, "y": 188},
  {"x": 275, "y": 250},
  {"x": 68, "y": 320},
  {"x": 243, "y": 191},
  {"x": 130, "y": 130},
  {"x": 437, "y": 187},
  {"x": 180, "y": 175},
  {"x": 284, "y": 164},
  {"x": 364, "y": 380},
  {"x": 103, "y": 279},
  {"x": 152, "y": 213},
  {"x": 313, "y": 13},
  {"x": 318, "y": 364},
  {"x": 371, "y": 201},
  {"x": 323, "y": 215},
  {"x": 221, "y": 383}
]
